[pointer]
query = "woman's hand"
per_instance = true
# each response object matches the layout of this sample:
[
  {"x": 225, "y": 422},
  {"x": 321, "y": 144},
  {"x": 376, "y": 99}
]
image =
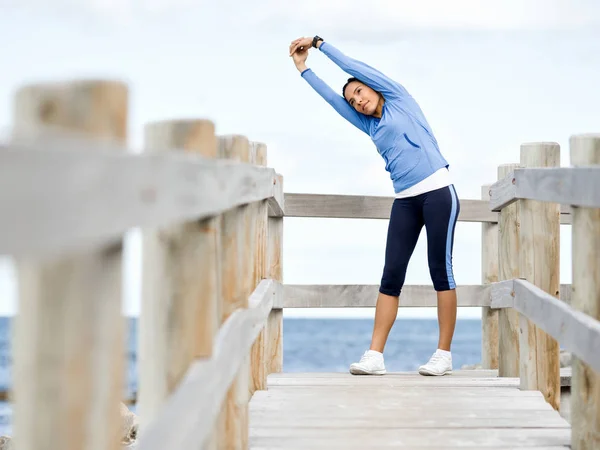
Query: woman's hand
[
  {"x": 299, "y": 56},
  {"x": 299, "y": 52},
  {"x": 303, "y": 43}
]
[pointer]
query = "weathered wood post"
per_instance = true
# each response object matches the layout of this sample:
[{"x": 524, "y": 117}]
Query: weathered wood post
[
  {"x": 180, "y": 280},
  {"x": 275, "y": 271},
  {"x": 258, "y": 372},
  {"x": 69, "y": 337},
  {"x": 539, "y": 261},
  {"x": 508, "y": 269},
  {"x": 585, "y": 384},
  {"x": 489, "y": 274},
  {"x": 235, "y": 284}
]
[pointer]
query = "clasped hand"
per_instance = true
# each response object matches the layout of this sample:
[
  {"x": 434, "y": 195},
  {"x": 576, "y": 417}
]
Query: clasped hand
[{"x": 299, "y": 50}]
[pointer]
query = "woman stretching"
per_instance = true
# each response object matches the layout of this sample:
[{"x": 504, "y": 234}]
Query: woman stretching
[{"x": 383, "y": 109}]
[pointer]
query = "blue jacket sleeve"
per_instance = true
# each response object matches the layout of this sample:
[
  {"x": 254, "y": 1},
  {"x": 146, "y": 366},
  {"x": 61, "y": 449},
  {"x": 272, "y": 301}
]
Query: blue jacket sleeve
[
  {"x": 338, "y": 102},
  {"x": 367, "y": 74}
]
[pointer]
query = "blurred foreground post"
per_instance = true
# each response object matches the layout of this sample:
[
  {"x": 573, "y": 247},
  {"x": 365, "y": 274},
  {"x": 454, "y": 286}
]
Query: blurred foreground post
[{"x": 69, "y": 338}]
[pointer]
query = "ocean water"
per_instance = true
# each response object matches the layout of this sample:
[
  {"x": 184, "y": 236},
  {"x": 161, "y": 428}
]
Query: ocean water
[{"x": 310, "y": 345}]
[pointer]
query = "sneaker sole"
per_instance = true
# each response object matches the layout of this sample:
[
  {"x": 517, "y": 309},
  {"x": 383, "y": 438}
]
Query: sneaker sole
[
  {"x": 433, "y": 374},
  {"x": 357, "y": 371}
]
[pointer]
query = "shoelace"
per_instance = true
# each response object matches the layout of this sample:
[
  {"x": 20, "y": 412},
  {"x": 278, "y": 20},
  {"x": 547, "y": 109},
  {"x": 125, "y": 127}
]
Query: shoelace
[
  {"x": 367, "y": 357},
  {"x": 435, "y": 358}
]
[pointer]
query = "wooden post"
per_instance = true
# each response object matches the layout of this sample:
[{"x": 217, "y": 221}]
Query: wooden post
[
  {"x": 585, "y": 384},
  {"x": 69, "y": 337},
  {"x": 489, "y": 274},
  {"x": 274, "y": 348},
  {"x": 258, "y": 371},
  {"x": 236, "y": 273},
  {"x": 508, "y": 269},
  {"x": 539, "y": 253},
  {"x": 180, "y": 290}
]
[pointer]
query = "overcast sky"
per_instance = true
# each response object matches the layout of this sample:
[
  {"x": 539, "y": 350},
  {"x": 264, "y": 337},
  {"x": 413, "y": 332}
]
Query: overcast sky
[{"x": 488, "y": 75}]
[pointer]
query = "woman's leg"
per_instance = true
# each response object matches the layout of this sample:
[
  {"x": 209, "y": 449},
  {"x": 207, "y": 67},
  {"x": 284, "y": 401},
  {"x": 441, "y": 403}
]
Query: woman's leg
[
  {"x": 440, "y": 211},
  {"x": 385, "y": 316},
  {"x": 406, "y": 222}
]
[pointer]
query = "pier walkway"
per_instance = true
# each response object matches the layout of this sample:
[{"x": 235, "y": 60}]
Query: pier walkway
[{"x": 468, "y": 409}]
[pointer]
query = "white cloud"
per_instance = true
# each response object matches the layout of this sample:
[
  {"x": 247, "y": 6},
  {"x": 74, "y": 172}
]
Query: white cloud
[
  {"x": 359, "y": 16},
  {"x": 348, "y": 18}
]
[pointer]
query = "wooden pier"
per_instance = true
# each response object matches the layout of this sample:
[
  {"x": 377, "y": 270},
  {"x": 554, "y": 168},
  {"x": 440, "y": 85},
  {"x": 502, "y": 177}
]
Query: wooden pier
[
  {"x": 470, "y": 409},
  {"x": 211, "y": 336}
]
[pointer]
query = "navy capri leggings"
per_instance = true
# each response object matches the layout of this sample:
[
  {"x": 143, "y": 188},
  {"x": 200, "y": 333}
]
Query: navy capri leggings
[{"x": 438, "y": 211}]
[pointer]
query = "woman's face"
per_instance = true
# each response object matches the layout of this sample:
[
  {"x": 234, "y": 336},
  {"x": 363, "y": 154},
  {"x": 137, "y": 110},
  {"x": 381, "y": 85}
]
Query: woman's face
[{"x": 361, "y": 97}]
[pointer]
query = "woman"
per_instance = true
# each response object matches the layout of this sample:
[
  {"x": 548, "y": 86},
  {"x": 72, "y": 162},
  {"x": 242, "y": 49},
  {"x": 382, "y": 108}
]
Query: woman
[{"x": 384, "y": 110}]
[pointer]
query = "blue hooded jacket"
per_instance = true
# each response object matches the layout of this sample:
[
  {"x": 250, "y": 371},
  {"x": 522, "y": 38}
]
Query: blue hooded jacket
[{"x": 402, "y": 135}]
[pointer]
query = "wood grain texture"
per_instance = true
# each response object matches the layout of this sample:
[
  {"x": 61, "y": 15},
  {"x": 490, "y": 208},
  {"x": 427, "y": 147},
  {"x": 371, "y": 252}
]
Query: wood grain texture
[
  {"x": 236, "y": 234},
  {"x": 206, "y": 385},
  {"x": 258, "y": 362},
  {"x": 539, "y": 263},
  {"x": 277, "y": 205},
  {"x": 508, "y": 269},
  {"x": 179, "y": 280},
  {"x": 69, "y": 333},
  {"x": 502, "y": 294},
  {"x": 576, "y": 331},
  {"x": 369, "y": 207},
  {"x": 401, "y": 410},
  {"x": 73, "y": 211},
  {"x": 489, "y": 274},
  {"x": 274, "y": 333},
  {"x": 504, "y": 192},
  {"x": 365, "y": 296},
  {"x": 576, "y": 186},
  {"x": 585, "y": 399}
]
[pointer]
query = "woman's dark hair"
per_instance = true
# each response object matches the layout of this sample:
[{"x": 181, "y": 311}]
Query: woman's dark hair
[{"x": 350, "y": 80}]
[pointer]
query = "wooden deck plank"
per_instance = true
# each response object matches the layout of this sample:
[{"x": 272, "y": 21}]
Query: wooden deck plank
[
  {"x": 308, "y": 420},
  {"x": 358, "y": 446},
  {"x": 410, "y": 438},
  {"x": 388, "y": 390},
  {"x": 467, "y": 377},
  {"x": 469, "y": 409}
]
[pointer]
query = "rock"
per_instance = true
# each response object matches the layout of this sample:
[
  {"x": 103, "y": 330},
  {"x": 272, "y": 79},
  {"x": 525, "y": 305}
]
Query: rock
[
  {"x": 565, "y": 358},
  {"x": 129, "y": 426},
  {"x": 6, "y": 443}
]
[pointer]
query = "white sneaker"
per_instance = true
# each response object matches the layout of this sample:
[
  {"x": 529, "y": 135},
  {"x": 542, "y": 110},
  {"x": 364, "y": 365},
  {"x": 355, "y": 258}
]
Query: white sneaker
[
  {"x": 371, "y": 363},
  {"x": 440, "y": 363}
]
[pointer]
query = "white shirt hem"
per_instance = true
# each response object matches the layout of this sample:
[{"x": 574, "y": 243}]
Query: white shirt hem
[{"x": 437, "y": 180}]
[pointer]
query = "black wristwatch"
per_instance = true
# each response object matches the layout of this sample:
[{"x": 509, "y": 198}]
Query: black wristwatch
[{"x": 315, "y": 40}]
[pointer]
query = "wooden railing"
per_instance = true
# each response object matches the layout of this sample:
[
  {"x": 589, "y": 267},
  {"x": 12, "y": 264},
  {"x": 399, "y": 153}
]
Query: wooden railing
[
  {"x": 209, "y": 333},
  {"x": 534, "y": 315},
  {"x": 211, "y": 216}
]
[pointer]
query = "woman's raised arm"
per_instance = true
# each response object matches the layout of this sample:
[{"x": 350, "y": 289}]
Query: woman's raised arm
[
  {"x": 358, "y": 69},
  {"x": 338, "y": 102}
]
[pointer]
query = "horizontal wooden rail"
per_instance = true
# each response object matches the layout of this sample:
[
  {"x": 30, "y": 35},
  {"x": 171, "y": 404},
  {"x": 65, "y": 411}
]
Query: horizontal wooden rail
[
  {"x": 373, "y": 207},
  {"x": 576, "y": 331},
  {"x": 188, "y": 416},
  {"x": 53, "y": 201},
  {"x": 369, "y": 207},
  {"x": 577, "y": 186},
  {"x": 365, "y": 296}
]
